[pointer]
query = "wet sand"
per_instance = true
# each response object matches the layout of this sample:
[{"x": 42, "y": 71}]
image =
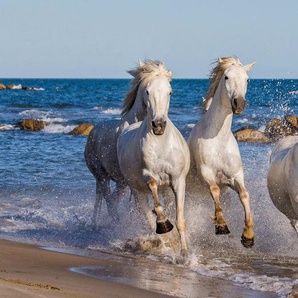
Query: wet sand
[{"x": 30, "y": 271}]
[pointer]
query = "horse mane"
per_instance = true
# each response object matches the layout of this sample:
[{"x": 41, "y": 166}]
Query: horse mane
[
  {"x": 216, "y": 74},
  {"x": 143, "y": 74}
]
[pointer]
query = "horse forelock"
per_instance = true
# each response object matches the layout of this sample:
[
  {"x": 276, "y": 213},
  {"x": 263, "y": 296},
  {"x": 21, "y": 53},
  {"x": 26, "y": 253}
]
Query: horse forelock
[
  {"x": 142, "y": 76},
  {"x": 217, "y": 72}
]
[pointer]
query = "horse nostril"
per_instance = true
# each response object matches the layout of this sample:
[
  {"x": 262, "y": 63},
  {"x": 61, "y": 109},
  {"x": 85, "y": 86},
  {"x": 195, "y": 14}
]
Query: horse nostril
[
  {"x": 153, "y": 124},
  {"x": 235, "y": 102}
]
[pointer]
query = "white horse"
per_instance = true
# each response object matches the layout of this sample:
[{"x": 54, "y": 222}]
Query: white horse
[
  {"x": 101, "y": 147},
  {"x": 282, "y": 178},
  {"x": 215, "y": 156},
  {"x": 154, "y": 154}
]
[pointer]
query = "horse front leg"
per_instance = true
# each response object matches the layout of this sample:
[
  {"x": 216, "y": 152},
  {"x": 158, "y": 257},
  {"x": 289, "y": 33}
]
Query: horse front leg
[
  {"x": 163, "y": 225},
  {"x": 247, "y": 238},
  {"x": 221, "y": 228},
  {"x": 179, "y": 191}
]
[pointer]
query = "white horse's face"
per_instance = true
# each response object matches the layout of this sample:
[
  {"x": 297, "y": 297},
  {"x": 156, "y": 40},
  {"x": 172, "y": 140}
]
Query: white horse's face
[
  {"x": 157, "y": 99},
  {"x": 235, "y": 80}
]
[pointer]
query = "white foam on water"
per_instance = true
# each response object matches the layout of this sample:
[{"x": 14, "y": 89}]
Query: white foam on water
[
  {"x": 216, "y": 268},
  {"x": 58, "y": 128},
  {"x": 112, "y": 111},
  {"x": 35, "y": 113},
  {"x": 295, "y": 92},
  {"x": 8, "y": 127}
]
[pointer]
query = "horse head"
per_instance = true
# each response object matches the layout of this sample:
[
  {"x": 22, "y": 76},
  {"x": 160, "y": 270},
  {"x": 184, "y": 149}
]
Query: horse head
[
  {"x": 157, "y": 98},
  {"x": 225, "y": 71},
  {"x": 135, "y": 105},
  {"x": 235, "y": 79}
]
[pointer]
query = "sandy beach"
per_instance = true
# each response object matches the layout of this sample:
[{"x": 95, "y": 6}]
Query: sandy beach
[{"x": 30, "y": 271}]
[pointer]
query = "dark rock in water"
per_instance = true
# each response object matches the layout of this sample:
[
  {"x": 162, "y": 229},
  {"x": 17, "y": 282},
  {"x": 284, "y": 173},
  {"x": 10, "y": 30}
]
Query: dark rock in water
[
  {"x": 2, "y": 86},
  {"x": 32, "y": 124},
  {"x": 292, "y": 121},
  {"x": 82, "y": 129},
  {"x": 277, "y": 128},
  {"x": 252, "y": 135}
]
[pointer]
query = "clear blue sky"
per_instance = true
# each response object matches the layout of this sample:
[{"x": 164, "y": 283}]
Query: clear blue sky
[{"x": 103, "y": 39}]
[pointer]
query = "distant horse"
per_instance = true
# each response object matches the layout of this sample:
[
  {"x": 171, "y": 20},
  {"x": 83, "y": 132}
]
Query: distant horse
[
  {"x": 215, "y": 156},
  {"x": 282, "y": 179},
  {"x": 153, "y": 154},
  {"x": 101, "y": 147}
]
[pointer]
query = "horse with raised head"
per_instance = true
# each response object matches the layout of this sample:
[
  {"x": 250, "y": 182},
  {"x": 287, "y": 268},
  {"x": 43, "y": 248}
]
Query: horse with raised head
[
  {"x": 154, "y": 155},
  {"x": 215, "y": 156},
  {"x": 101, "y": 147},
  {"x": 215, "y": 76},
  {"x": 282, "y": 179}
]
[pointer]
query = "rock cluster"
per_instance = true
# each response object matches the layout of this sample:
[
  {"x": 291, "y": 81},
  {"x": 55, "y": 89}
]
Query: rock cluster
[
  {"x": 275, "y": 129},
  {"x": 17, "y": 87}
]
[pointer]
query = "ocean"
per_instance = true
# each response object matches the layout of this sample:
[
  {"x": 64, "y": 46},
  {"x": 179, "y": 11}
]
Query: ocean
[{"x": 47, "y": 193}]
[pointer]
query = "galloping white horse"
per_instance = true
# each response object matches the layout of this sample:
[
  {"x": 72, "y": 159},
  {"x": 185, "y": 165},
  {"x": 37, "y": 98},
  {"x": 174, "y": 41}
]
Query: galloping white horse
[
  {"x": 153, "y": 154},
  {"x": 101, "y": 147},
  {"x": 282, "y": 178},
  {"x": 215, "y": 156}
]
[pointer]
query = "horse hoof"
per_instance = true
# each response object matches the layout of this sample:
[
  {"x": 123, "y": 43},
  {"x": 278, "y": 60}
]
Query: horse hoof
[
  {"x": 222, "y": 230},
  {"x": 164, "y": 227},
  {"x": 248, "y": 243}
]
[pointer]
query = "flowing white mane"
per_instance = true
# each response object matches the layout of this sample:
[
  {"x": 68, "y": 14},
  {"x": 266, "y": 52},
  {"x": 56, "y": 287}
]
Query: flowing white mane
[
  {"x": 216, "y": 74},
  {"x": 143, "y": 75}
]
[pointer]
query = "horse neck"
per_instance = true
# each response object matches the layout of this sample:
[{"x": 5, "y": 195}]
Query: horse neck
[
  {"x": 138, "y": 111},
  {"x": 218, "y": 118}
]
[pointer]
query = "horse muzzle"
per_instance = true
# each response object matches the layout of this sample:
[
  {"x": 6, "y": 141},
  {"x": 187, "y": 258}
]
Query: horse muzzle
[
  {"x": 238, "y": 105},
  {"x": 159, "y": 126}
]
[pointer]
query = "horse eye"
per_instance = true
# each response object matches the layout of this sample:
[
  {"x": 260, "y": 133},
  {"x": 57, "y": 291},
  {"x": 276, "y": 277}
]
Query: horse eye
[
  {"x": 147, "y": 92},
  {"x": 226, "y": 77},
  {"x": 248, "y": 80},
  {"x": 170, "y": 93}
]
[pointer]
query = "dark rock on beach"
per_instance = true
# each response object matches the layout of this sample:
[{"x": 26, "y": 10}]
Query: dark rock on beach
[
  {"x": 82, "y": 129},
  {"x": 32, "y": 124}
]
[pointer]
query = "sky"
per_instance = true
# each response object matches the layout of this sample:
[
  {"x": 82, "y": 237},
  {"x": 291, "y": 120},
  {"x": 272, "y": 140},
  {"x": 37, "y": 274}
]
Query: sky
[{"x": 106, "y": 38}]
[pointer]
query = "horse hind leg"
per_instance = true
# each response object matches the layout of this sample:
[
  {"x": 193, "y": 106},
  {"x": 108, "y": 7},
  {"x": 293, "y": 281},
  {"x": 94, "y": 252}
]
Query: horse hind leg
[
  {"x": 102, "y": 191},
  {"x": 114, "y": 199},
  {"x": 163, "y": 225},
  {"x": 221, "y": 228}
]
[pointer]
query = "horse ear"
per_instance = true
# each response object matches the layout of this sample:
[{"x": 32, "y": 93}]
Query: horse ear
[
  {"x": 247, "y": 67},
  {"x": 141, "y": 63},
  {"x": 219, "y": 60}
]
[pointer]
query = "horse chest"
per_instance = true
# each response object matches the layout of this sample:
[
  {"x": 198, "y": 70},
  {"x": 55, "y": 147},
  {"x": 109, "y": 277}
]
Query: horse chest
[{"x": 160, "y": 161}]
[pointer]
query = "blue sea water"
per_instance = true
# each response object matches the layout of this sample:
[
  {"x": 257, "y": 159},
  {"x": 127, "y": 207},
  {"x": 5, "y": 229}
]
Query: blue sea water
[{"x": 47, "y": 193}]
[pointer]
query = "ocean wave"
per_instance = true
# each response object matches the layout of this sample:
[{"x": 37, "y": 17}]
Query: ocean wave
[
  {"x": 47, "y": 116},
  {"x": 294, "y": 92},
  {"x": 58, "y": 128},
  {"x": 264, "y": 283},
  {"x": 7, "y": 127},
  {"x": 110, "y": 111},
  {"x": 35, "y": 113}
]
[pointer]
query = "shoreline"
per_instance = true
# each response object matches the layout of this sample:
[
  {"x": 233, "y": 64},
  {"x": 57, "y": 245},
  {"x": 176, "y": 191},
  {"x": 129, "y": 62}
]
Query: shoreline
[{"x": 28, "y": 270}]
